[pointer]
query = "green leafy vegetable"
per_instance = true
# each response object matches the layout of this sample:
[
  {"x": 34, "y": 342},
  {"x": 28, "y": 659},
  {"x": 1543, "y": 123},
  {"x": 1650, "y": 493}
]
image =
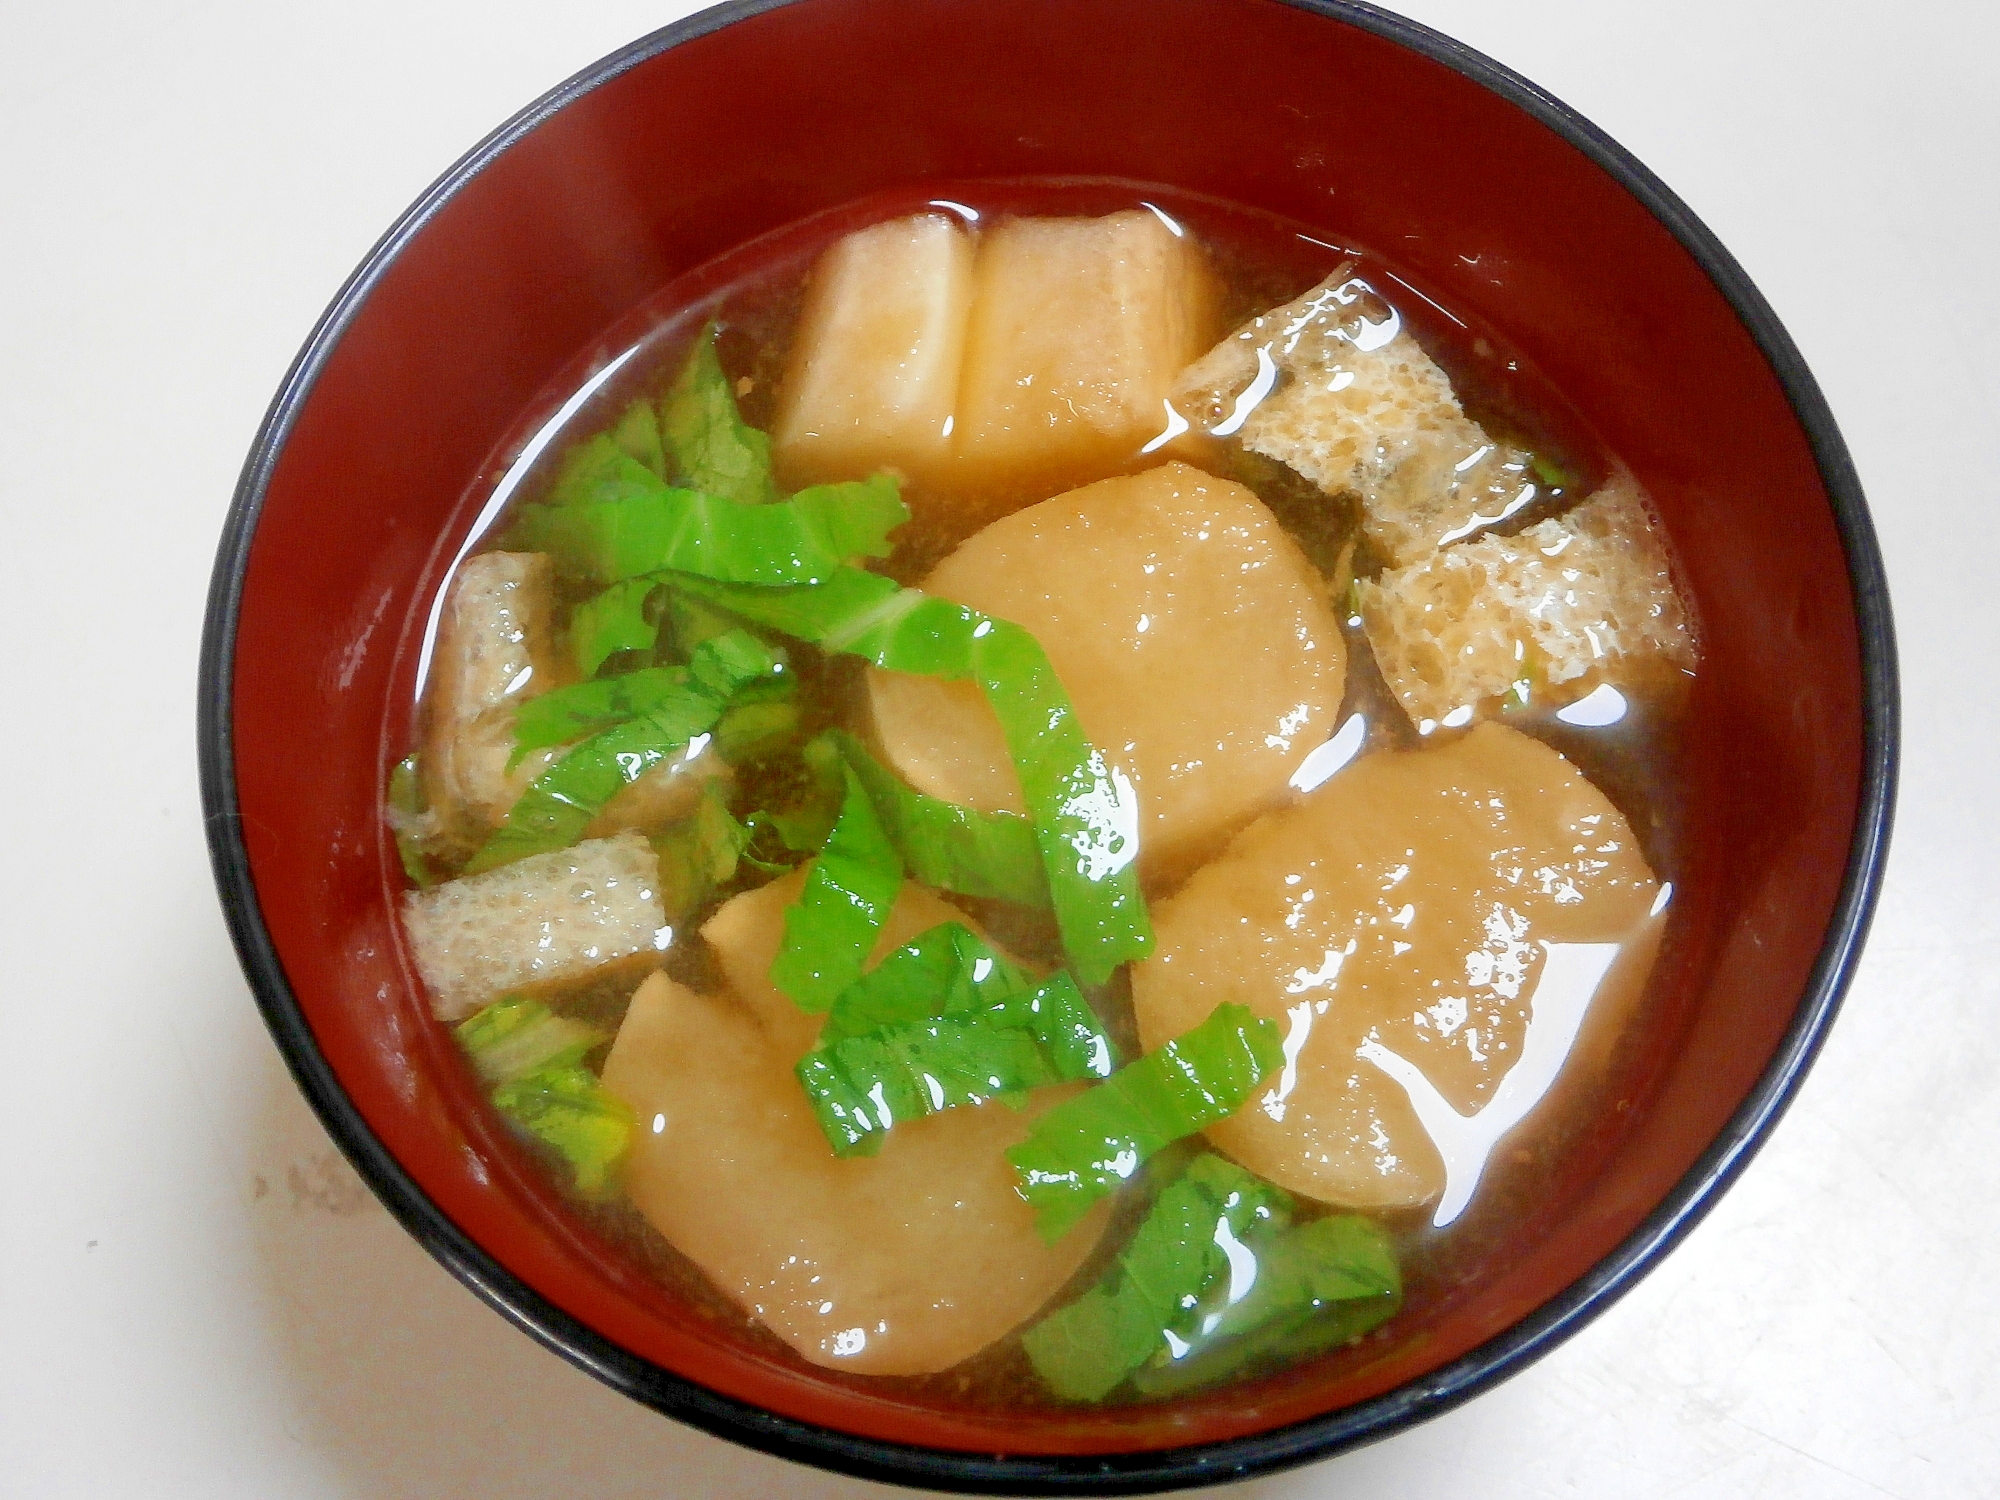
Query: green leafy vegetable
[
  {"x": 533, "y": 1061},
  {"x": 514, "y": 1036},
  {"x": 712, "y": 449},
  {"x": 1088, "y": 1146},
  {"x": 764, "y": 720},
  {"x": 588, "y": 468},
  {"x": 568, "y": 1109},
  {"x": 635, "y": 524},
  {"x": 1084, "y": 813},
  {"x": 945, "y": 970},
  {"x": 1088, "y": 1348},
  {"x": 830, "y": 929},
  {"x": 1318, "y": 1285},
  {"x": 860, "y": 613},
  {"x": 612, "y": 621},
  {"x": 407, "y": 812},
  {"x": 561, "y": 803},
  {"x": 638, "y": 437},
  {"x": 1218, "y": 1277},
  {"x": 862, "y": 1087},
  {"x": 699, "y": 855},
  {"x": 953, "y": 848},
  {"x": 941, "y": 1022},
  {"x": 726, "y": 664},
  {"x": 1552, "y": 474},
  {"x": 949, "y": 970},
  {"x": 690, "y": 621}
]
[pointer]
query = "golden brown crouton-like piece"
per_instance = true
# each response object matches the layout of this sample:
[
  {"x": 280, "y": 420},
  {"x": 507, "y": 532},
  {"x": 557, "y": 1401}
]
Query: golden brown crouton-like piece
[
  {"x": 1576, "y": 601},
  {"x": 546, "y": 920},
  {"x": 496, "y": 648},
  {"x": 1431, "y": 929},
  {"x": 1333, "y": 386},
  {"x": 1192, "y": 635},
  {"x": 902, "y": 1263}
]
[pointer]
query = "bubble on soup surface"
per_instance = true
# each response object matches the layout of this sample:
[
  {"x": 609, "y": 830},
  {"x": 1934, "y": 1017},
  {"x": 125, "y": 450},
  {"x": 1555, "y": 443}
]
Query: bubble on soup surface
[{"x": 1397, "y": 923}]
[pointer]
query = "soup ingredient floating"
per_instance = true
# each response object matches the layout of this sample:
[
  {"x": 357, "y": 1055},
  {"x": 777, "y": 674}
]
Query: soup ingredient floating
[
  {"x": 1399, "y": 924},
  {"x": 900, "y": 1262},
  {"x": 1334, "y": 386},
  {"x": 1193, "y": 636},
  {"x": 1218, "y": 1279},
  {"x": 993, "y": 361},
  {"x": 1576, "y": 602}
]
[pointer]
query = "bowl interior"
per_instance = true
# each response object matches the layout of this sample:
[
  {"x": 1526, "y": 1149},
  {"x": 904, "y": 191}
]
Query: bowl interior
[{"x": 376, "y": 465}]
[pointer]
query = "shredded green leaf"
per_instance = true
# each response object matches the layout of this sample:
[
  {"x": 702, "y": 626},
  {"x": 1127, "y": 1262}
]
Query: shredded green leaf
[
  {"x": 1084, "y": 812},
  {"x": 635, "y": 524},
  {"x": 953, "y": 848},
  {"x": 638, "y": 436},
  {"x": 1218, "y": 1278},
  {"x": 568, "y": 1109},
  {"x": 712, "y": 449},
  {"x": 729, "y": 664},
  {"x": 587, "y": 468},
  {"x": 690, "y": 621},
  {"x": 515, "y": 1035},
  {"x": 532, "y": 1059},
  {"x": 831, "y": 928},
  {"x": 862, "y": 1087},
  {"x": 1087, "y": 1349},
  {"x": 561, "y": 803},
  {"x": 1552, "y": 474},
  {"x": 941, "y": 1022},
  {"x": 407, "y": 809},
  {"x": 698, "y": 856},
  {"x": 1319, "y": 1285},
  {"x": 765, "y": 720},
  {"x": 612, "y": 621},
  {"x": 1088, "y": 1146}
]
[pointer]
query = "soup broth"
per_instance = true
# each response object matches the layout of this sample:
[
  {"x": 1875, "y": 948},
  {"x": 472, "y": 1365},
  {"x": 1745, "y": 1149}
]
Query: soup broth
[{"x": 752, "y": 802}]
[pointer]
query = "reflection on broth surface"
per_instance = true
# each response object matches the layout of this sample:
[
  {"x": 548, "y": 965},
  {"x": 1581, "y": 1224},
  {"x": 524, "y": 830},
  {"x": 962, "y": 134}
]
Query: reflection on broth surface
[{"x": 1046, "y": 790}]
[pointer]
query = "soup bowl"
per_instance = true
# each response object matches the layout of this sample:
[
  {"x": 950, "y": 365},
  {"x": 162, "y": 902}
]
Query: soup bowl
[{"x": 369, "y": 476}]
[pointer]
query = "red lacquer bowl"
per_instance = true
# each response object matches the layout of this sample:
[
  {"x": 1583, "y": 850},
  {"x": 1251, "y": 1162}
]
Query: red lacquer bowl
[{"x": 370, "y": 468}]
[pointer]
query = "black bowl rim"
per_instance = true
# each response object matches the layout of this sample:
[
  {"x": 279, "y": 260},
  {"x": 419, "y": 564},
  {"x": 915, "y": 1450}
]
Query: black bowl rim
[{"x": 1157, "y": 1469}]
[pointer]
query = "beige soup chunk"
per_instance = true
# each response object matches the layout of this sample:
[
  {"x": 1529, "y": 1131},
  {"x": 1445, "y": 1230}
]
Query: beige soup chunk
[
  {"x": 496, "y": 648},
  {"x": 1334, "y": 386},
  {"x": 874, "y": 370},
  {"x": 1192, "y": 635},
  {"x": 1079, "y": 329},
  {"x": 1427, "y": 928},
  {"x": 1569, "y": 606},
  {"x": 902, "y": 1263},
  {"x": 541, "y": 922}
]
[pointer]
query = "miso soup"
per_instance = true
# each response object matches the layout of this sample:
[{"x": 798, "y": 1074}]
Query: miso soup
[{"x": 1054, "y": 793}]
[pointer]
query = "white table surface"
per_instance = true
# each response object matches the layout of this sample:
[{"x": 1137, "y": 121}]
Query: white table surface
[{"x": 198, "y": 1298}]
